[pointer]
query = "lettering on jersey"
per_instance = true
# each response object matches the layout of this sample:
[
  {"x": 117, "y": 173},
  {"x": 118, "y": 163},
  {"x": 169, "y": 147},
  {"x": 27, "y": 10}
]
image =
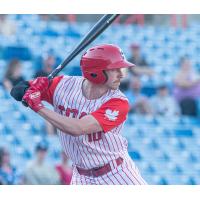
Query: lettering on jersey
[
  {"x": 82, "y": 115},
  {"x": 111, "y": 115},
  {"x": 61, "y": 109},
  {"x": 70, "y": 112},
  {"x": 95, "y": 136}
]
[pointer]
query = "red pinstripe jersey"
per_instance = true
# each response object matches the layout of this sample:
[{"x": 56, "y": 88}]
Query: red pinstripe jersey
[{"x": 110, "y": 110}]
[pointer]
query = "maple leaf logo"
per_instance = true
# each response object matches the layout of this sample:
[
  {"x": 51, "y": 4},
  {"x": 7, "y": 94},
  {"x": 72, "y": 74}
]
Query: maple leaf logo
[{"x": 111, "y": 115}]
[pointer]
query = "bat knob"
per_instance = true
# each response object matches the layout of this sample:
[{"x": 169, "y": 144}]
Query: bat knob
[{"x": 24, "y": 103}]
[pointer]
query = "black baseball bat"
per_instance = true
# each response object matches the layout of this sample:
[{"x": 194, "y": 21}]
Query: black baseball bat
[{"x": 96, "y": 30}]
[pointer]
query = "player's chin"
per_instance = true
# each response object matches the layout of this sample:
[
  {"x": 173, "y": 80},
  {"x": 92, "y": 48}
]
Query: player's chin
[{"x": 115, "y": 86}]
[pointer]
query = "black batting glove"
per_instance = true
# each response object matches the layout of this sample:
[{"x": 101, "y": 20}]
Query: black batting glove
[{"x": 19, "y": 90}]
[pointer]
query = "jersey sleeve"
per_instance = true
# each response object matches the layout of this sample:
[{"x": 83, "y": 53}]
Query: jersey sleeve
[
  {"x": 48, "y": 94},
  {"x": 112, "y": 113}
]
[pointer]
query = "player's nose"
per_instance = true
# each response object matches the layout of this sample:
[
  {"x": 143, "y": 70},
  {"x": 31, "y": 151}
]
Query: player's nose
[{"x": 120, "y": 73}]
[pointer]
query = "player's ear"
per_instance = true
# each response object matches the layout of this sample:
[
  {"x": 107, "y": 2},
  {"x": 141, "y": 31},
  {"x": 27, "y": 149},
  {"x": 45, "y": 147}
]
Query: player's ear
[{"x": 106, "y": 75}]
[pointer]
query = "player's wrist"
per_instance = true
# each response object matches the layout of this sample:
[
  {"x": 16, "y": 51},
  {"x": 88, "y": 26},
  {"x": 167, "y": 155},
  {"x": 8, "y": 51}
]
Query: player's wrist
[
  {"x": 36, "y": 107},
  {"x": 33, "y": 98}
]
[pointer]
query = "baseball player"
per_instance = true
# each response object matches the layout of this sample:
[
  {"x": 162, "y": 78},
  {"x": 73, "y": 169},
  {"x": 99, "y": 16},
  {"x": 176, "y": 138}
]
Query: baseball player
[{"x": 89, "y": 113}]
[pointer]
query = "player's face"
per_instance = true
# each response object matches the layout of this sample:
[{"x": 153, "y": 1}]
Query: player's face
[{"x": 114, "y": 78}]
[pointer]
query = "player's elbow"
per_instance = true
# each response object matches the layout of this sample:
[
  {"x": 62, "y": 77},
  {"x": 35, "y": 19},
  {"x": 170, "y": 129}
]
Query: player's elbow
[
  {"x": 85, "y": 125},
  {"x": 77, "y": 129},
  {"x": 74, "y": 131},
  {"x": 82, "y": 129}
]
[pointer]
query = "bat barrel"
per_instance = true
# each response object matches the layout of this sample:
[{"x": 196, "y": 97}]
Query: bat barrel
[{"x": 100, "y": 26}]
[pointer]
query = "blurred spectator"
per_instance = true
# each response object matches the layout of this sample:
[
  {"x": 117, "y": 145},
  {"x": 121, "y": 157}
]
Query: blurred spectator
[
  {"x": 139, "y": 102},
  {"x": 64, "y": 170},
  {"x": 187, "y": 87},
  {"x": 45, "y": 17},
  {"x": 7, "y": 27},
  {"x": 38, "y": 172},
  {"x": 142, "y": 67},
  {"x": 163, "y": 103},
  {"x": 47, "y": 66},
  {"x": 13, "y": 74},
  {"x": 8, "y": 173},
  {"x": 68, "y": 17}
]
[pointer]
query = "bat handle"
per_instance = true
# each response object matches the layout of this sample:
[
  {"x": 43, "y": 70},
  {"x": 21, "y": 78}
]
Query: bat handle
[
  {"x": 55, "y": 72},
  {"x": 50, "y": 77},
  {"x": 24, "y": 103}
]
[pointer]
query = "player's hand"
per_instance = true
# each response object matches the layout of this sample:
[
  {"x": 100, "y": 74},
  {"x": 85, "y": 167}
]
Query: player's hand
[
  {"x": 40, "y": 83},
  {"x": 18, "y": 91},
  {"x": 33, "y": 98}
]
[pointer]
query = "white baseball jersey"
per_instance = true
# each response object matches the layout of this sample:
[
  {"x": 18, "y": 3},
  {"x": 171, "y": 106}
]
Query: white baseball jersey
[{"x": 96, "y": 149}]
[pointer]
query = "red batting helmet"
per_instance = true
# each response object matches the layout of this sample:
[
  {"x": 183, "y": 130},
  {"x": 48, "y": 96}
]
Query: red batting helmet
[{"x": 97, "y": 59}]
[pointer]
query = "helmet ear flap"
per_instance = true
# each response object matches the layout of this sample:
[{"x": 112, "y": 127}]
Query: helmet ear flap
[
  {"x": 93, "y": 75},
  {"x": 98, "y": 77}
]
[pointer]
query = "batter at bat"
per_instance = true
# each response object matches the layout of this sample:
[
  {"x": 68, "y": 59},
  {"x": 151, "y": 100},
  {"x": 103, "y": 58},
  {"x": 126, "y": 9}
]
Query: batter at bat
[{"x": 89, "y": 114}]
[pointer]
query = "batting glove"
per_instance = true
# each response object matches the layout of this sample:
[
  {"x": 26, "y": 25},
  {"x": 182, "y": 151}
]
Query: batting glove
[
  {"x": 40, "y": 83},
  {"x": 19, "y": 90},
  {"x": 33, "y": 98}
]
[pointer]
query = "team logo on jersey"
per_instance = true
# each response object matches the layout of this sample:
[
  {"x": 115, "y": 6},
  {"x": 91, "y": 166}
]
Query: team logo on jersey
[{"x": 111, "y": 115}]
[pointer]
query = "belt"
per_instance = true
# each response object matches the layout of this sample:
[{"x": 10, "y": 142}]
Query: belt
[{"x": 100, "y": 171}]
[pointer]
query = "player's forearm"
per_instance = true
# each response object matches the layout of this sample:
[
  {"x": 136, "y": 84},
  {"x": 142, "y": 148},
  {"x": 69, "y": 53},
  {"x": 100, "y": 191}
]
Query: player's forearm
[{"x": 68, "y": 125}]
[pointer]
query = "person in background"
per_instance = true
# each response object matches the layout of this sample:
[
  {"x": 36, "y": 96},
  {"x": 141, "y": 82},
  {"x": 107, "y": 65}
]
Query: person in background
[
  {"x": 139, "y": 103},
  {"x": 64, "y": 170},
  {"x": 48, "y": 64},
  {"x": 8, "y": 173},
  {"x": 163, "y": 103},
  {"x": 8, "y": 27},
  {"x": 187, "y": 87},
  {"x": 13, "y": 74},
  {"x": 142, "y": 67},
  {"x": 37, "y": 171}
]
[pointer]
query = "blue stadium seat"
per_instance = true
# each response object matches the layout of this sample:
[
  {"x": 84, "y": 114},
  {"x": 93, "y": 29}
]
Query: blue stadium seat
[
  {"x": 55, "y": 155},
  {"x": 149, "y": 91},
  {"x": 164, "y": 157},
  {"x": 150, "y": 169},
  {"x": 21, "y": 53},
  {"x": 135, "y": 155},
  {"x": 50, "y": 32},
  {"x": 177, "y": 170},
  {"x": 192, "y": 158},
  {"x": 16, "y": 141},
  {"x": 153, "y": 144},
  {"x": 162, "y": 181},
  {"x": 183, "y": 132},
  {"x": 191, "y": 181}
]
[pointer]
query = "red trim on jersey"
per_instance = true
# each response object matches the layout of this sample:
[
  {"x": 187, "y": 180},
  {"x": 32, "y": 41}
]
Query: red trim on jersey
[
  {"x": 111, "y": 114},
  {"x": 48, "y": 95}
]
